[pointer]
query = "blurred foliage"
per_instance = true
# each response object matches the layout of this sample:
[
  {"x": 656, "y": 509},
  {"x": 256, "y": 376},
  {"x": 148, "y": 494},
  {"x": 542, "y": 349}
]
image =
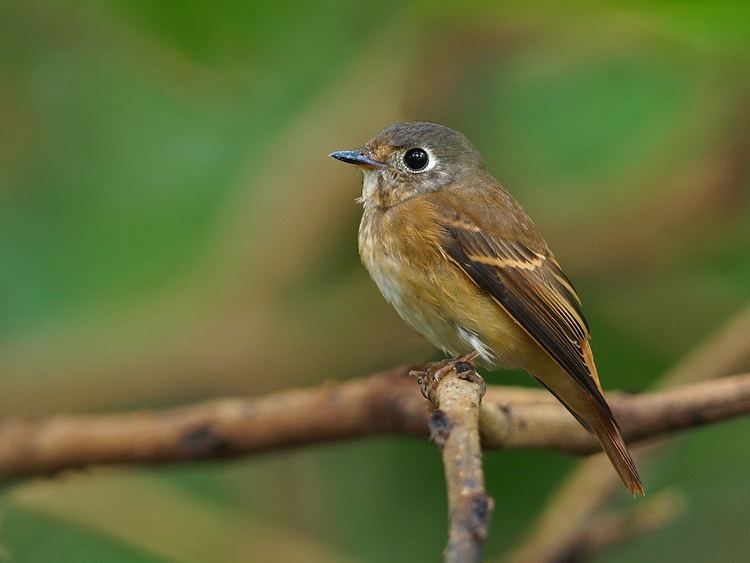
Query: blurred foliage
[{"x": 171, "y": 229}]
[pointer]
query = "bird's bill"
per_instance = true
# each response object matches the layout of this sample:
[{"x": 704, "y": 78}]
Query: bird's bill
[{"x": 358, "y": 157}]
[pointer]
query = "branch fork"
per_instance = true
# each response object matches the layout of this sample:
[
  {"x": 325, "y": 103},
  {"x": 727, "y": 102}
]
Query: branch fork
[{"x": 455, "y": 392}]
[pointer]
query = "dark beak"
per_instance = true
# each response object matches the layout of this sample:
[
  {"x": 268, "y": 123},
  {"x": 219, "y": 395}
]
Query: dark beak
[{"x": 357, "y": 157}]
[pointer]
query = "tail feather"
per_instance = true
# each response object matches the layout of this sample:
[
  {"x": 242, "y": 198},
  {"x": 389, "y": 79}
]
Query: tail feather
[
  {"x": 606, "y": 430},
  {"x": 588, "y": 406}
]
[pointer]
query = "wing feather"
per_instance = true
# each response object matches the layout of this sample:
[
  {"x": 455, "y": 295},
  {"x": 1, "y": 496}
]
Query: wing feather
[{"x": 532, "y": 288}]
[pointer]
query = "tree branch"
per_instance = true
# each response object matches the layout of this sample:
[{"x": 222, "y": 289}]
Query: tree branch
[
  {"x": 546, "y": 425},
  {"x": 454, "y": 427},
  {"x": 614, "y": 528},
  {"x": 383, "y": 403},
  {"x": 607, "y": 530}
]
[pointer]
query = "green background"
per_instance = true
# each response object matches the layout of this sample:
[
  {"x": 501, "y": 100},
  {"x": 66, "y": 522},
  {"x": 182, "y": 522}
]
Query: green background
[{"x": 171, "y": 229}]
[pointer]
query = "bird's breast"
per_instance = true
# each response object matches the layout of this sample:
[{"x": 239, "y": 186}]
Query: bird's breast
[
  {"x": 400, "y": 257},
  {"x": 402, "y": 251},
  {"x": 387, "y": 257}
]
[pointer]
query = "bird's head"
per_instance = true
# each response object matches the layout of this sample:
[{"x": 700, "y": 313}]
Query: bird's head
[{"x": 411, "y": 158}]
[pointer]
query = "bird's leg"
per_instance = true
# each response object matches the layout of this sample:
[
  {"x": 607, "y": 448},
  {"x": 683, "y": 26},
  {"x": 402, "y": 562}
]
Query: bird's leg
[{"x": 433, "y": 373}]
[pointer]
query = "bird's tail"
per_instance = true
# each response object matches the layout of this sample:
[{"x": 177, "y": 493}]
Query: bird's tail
[
  {"x": 587, "y": 405},
  {"x": 607, "y": 432}
]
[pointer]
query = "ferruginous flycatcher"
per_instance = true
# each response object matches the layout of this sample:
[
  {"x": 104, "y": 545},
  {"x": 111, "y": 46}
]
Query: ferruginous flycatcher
[{"x": 464, "y": 265}]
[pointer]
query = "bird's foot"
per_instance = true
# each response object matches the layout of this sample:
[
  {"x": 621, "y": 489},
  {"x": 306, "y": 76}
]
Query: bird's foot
[{"x": 430, "y": 377}]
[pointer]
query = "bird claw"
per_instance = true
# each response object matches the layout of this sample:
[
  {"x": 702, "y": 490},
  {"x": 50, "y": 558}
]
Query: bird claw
[
  {"x": 432, "y": 375},
  {"x": 472, "y": 376}
]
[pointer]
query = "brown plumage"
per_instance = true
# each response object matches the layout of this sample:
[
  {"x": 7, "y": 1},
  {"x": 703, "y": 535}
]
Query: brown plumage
[{"x": 463, "y": 264}]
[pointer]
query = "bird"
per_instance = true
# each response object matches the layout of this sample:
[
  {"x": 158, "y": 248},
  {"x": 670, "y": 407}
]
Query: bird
[{"x": 462, "y": 263}]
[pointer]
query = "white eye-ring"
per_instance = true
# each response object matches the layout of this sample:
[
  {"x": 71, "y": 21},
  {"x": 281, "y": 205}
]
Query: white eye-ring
[{"x": 418, "y": 160}]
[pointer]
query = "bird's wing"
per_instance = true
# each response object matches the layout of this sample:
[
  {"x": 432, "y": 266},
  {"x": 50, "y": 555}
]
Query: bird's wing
[{"x": 531, "y": 287}]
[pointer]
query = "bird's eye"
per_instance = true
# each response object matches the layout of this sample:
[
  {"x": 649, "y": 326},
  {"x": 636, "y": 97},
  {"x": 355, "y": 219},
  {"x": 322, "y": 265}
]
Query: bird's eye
[{"x": 416, "y": 159}]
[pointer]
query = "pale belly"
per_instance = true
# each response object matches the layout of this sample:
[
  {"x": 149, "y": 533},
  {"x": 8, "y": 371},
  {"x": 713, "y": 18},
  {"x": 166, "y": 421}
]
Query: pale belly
[{"x": 456, "y": 322}]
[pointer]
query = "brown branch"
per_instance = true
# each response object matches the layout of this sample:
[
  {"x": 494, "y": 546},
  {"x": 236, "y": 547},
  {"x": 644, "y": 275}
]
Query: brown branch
[
  {"x": 611, "y": 529},
  {"x": 383, "y": 403},
  {"x": 578, "y": 501},
  {"x": 546, "y": 426},
  {"x": 454, "y": 427}
]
